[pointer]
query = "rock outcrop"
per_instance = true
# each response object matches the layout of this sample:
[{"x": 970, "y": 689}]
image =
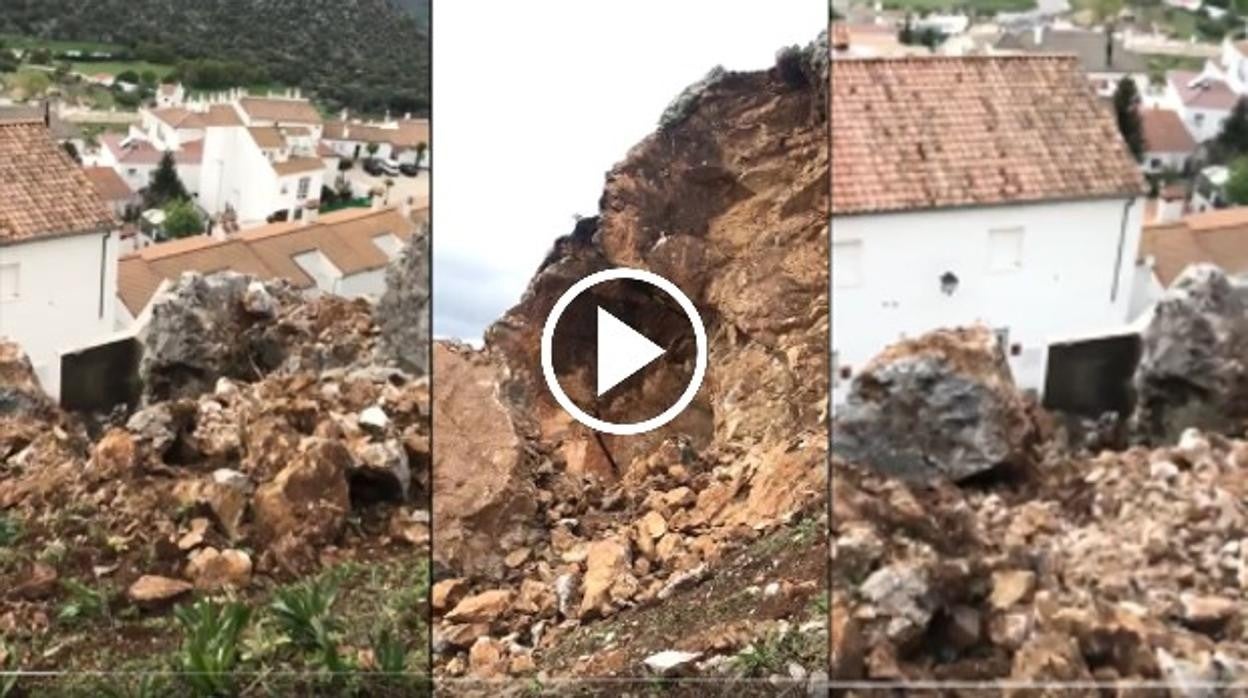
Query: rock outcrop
[
  {"x": 1193, "y": 368},
  {"x": 940, "y": 406},
  {"x": 403, "y": 312},
  {"x": 728, "y": 200}
]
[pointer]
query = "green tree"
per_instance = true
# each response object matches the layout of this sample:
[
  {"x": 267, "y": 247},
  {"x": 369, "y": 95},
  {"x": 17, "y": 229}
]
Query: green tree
[
  {"x": 1127, "y": 112},
  {"x": 165, "y": 186},
  {"x": 129, "y": 76},
  {"x": 181, "y": 219},
  {"x": 421, "y": 148},
  {"x": 148, "y": 78},
  {"x": 39, "y": 56},
  {"x": 1232, "y": 141},
  {"x": 372, "y": 149}
]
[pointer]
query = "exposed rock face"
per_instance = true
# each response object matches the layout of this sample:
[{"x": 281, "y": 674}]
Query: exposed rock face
[
  {"x": 403, "y": 312},
  {"x": 483, "y": 472},
  {"x": 1193, "y": 370},
  {"x": 728, "y": 200},
  {"x": 19, "y": 389},
  {"x": 941, "y": 406}
]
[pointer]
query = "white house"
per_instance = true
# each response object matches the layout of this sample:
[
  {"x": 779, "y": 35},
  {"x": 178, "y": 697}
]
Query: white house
[
  {"x": 400, "y": 139},
  {"x": 135, "y": 159},
  {"x": 1202, "y": 100},
  {"x": 985, "y": 189},
  {"x": 255, "y": 175},
  {"x": 170, "y": 95},
  {"x": 344, "y": 253},
  {"x": 1167, "y": 144},
  {"x": 58, "y": 251}
]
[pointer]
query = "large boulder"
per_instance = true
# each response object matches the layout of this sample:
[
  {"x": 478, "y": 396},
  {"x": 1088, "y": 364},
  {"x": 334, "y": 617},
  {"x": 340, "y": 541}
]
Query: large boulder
[
  {"x": 20, "y": 394},
  {"x": 403, "y": 312},
  {"x": 942, "y": 406},
  {"x": 1193, "y": 368}
]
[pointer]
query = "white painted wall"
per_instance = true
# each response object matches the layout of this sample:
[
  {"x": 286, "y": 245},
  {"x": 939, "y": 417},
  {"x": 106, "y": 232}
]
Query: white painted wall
[
  {"x": 49, "y": 316},
  {"x": 1157, "y": 161},
  {"x": 235, "y": 172},
  {"x": 1067, "y": 262}
]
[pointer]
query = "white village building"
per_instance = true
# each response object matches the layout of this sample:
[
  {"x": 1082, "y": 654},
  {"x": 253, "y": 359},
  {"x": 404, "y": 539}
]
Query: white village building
[
  {"x": 58, "y": 251},
  {"x": 987, "y": 189},
  {"x": 405, "y": 140}
]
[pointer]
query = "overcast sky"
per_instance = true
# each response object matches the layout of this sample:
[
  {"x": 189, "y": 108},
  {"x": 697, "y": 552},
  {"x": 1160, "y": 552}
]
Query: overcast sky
[{"x": 534, "y": 101}]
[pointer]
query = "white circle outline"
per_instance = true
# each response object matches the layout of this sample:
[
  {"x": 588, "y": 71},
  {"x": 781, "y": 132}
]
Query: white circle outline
[{"x": 548, "y": 335}]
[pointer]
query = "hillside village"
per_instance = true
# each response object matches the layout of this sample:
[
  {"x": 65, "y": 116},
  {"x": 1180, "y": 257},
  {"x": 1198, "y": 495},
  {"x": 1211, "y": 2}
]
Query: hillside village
[
  {"x": 263, "y": 184},
  {"x": 1047, "y": 130}
]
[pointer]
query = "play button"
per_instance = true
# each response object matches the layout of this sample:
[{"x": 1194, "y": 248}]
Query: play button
[{"x": 623, "y": 351}]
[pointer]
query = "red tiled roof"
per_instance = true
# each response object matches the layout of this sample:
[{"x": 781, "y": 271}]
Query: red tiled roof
[
  {"x": 298, "y": 166},
  {"x": 43, "y": 192},
  {"x": 286, "y": 111},
  {"x": 932, "y": 132},
  {"x": 1216, "y": 237},
  {"x": 108, "y": 183},
  {"x": 1205, "y": 94},
  {"x": 140, "y": 152},
  {"x": 407, "y": 134},
  {"x": 1164, "y": 132}
]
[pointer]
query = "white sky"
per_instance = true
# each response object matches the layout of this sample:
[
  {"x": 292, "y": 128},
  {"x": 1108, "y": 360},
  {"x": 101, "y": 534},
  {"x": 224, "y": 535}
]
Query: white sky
[{"x": 535, "y": 100}]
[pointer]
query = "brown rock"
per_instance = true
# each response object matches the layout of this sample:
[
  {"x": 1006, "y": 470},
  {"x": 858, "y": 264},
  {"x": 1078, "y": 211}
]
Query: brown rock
[
  {"x": 536, "y": 598},
  {"x": 1208, "y": 613},
  {"x": 484, "y": 495},
  {"x": 486, "y": 607},
  {"x": 463, "y": 634},
  {"x": 487, "y": 659},
  {"x": 308, "y": 499},
  {"x": 1010, "y": 587},
  {"x": 195, "y": 535},
  {"x": 1050, "y": 658},
  {"x": 116, "y": 452},
  {"x": 607, "y": 564},
  {"x": 39, "y": 583},
  {"x": 847, "y": 644},
  {"x": 448, "y": 592},
  {"x": 653, "y": 524},
  {"x": 516, "y": 557},
  {"x": 214, "y": 570},
  {"x": 154, "y": 590},
  {"x": 522, "y": 665}
]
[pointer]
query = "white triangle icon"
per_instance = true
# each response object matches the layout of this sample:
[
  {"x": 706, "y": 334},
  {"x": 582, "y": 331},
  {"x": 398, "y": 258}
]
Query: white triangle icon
[{"x": 622, "y": 351}]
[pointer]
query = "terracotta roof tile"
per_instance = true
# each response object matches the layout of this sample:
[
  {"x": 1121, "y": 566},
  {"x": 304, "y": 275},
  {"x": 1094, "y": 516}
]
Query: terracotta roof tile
[
  {"x": 221, "y": 115},
  {"x": 108, "y": 183},
  {"x": 286, "y": 111},
  {"x": 1164, "y": 132},
  {"x": 407, "y": 134},
  {"x": 345, "y": 237},
  {"x": 267, "y": 137},
  {"x": 920, "y": 133},
  {"x": 1217, "y": 237},
  {"x": 298, "y": 166},
  {"x": 42, "y": 192}
]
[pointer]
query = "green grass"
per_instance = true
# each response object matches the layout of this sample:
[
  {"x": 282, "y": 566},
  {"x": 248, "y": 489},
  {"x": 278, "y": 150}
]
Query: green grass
[{"x": 118, "y": 67}]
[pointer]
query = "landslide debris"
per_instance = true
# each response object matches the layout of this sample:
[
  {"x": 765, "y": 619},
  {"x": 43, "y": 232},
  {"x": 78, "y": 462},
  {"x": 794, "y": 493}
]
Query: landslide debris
[
  {"x": 274, "y": 442},
  {"x": 557, "y": 550},
  {"x": 1113, "y": 566}
]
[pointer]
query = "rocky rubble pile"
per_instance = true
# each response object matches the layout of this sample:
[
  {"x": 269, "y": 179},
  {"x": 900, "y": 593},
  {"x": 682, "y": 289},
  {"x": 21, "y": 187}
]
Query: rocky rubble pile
[
  {"x": 545, "y": 528},
  {"x": 268, "y": 422},
  {"x": 1119, "y": 566}
]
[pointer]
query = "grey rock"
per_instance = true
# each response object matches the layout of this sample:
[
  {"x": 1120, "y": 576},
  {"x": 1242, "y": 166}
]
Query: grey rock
[
  {"x": 403, "y": 312},
  {"x": 941, "y": 406},
  {"x": 1193, "y": 370}
]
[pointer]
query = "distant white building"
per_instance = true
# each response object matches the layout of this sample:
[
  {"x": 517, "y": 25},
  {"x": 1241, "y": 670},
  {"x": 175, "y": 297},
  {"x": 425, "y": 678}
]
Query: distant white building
[
  {"x": 1167, "y": 144},
  {"x": 990, "y": 189},
  {"x": 1202, "y": 100},
  {"x": 344, "y": 253},
  {"x": 58, "y": 251},
  {"x": 403, "y": 139}
]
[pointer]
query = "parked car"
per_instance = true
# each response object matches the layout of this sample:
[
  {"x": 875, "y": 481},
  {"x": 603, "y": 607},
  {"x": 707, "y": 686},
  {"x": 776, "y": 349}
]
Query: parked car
[
  {"x": 390, "y": 166},
  {"x": 409, "y": 169},
  {"x": 373, "y": 167}
]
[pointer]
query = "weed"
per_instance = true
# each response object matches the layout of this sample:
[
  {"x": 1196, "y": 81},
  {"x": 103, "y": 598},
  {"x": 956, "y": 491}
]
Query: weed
[
  {"x": 9, "y": 672},
  {"x": 302, "y": 611},
  {"x": 84, "y": 603},
  {"x": 210, "y": 645},
  {"x": 806, "y": 531},
  {"x": 390, "y": 652},
  {"x": 145, "y": 686},
  {"x": 10, "y": 531},
  {"x": 820, "y": 604}
]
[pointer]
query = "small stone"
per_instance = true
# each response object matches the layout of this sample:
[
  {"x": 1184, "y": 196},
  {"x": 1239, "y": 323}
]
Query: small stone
[
  {"x": 258, "y": 301},
  {"x": 195, "y": 536},
  {"x": 964, "y": 627},
  {"x": 1163, "y": 470},
  {"x": 670, "y": 662},
  {"x": 487, "y": 658},
  {"x": 522, "y": 665},
  {"x": 375, "y": 418},
  {"x": 516, "y": 557},
  {"x": 1010, "y": 587},
  {"x": 39, "y": 583},
  {"x": 214, "y": 570},
  {"x": 485, "y": 607},
  {"x": 607, "y": 564},
  {"x": 771, "y": 590},
  {"x": 448, "y": 592},
  {"x": 654, "y": 525},
  {"x": 154, "y": 590},
  {"x": 1208, "y": 613}
]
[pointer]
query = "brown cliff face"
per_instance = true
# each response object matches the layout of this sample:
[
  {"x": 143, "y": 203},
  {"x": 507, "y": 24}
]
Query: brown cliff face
[{"x": 728, "y": 200}]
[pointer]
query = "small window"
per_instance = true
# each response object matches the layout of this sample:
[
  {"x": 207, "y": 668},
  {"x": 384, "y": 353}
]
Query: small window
[
  {"x": 1155, "y": 163},
  {"x": 1005, "y": 249},
  {"x": 847, "y": 264},
  {"x": 10, "y": 282},
  {"x": 304, "y": 184},
  {"x": 1198, "y": 118}
]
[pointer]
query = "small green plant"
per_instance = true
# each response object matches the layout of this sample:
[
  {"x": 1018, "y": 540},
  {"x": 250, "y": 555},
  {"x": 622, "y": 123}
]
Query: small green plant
[
  {"x": 390, "y": 652},
  {"x": 145, "y": 686},
  {"x": 821, "y": 604},
  {"x": 9, "y": 672},
  {"x": 210, "y": 645},
  {"x": 84, "y": 603},
  {"x": 303, "y": 611},
  {"x": 10, "y": 531}
]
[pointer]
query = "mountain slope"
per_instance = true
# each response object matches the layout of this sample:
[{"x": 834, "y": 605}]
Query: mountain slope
[{"x": 369, "y": 55}]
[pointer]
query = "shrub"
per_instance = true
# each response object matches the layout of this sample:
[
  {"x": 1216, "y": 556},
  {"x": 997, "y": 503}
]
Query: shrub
[{"x": 210, "y": 645}]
